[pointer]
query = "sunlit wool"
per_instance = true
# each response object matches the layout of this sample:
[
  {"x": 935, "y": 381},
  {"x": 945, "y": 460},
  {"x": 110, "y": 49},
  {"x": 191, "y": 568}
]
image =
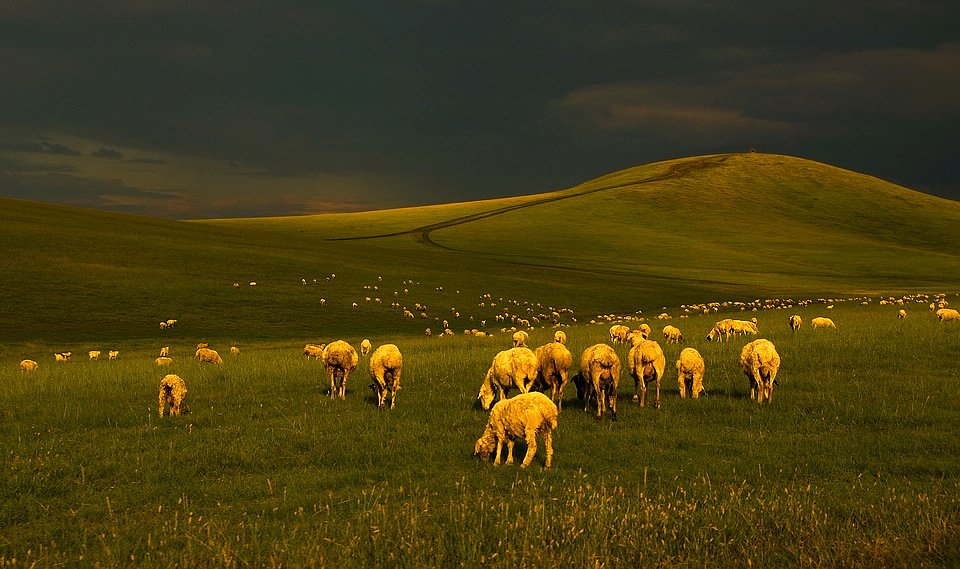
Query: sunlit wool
[
  {"x": 208, "y": 355},
  {"x": 172, "y": 390},
  {"x": 520, "y": 338},
  {"x": 690, "y": 368},
  {"x": 28, "y": 365},
  {"x": 386, "y": 364},
  {"x": 560, "y": 337},
  {"x": 365, "y": 347},
  {"x": 647, "y": 363},
  {"x": 672, "y": 334},
  {"x": 619, "y": 333},
  {"x": 947, "y": 314},
  {"x": 516, "y": 367},
  {"x": 760, "y": 362},
  {"x": 553, "y": 369},
  {"x": 522, "y": 417},
  {"x": 796, "y": 322},
  {"x": 163, "y": 361},
  {"x": 340, "y": 360},
  {"x": 821, "y": 322},
  {"x": 599, "y": 377}
]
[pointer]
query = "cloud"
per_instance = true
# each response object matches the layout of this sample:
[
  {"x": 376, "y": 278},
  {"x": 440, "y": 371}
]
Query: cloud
[
  {"x": 40, "y": 147},
  {"x": 107, "y": 153}
]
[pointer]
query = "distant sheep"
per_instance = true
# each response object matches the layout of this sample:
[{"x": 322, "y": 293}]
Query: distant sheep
[
  {"x": 647, "y": 363},
  {"x": 523, "y": 417},
  {"x": 313, "y": 351},
  {"x": 553, "y": 368},
  {"x": 28, "y": 365},
  {"x": 619, "y": 333},
  {"x": 165, "y": 351},
  {"x": 947, "y": 314},
  {"x": 672, "y": 334},
  {"x": 560, "y": 337},
  {"x": 821, "y": 322},
  {"x": 340, "y": 360},
  {"x": 721, "y": 330},
  {"x": 640, "y": 334},
  {"x": 172, "y": 390},
  {"x": 902, "y": 314},
  {"x": 520, "y": 338},
  {"x": 203, "y": 345},
  {"x": 795, "y": 322},
  {"x": 743, "y": 327},
  {"x": 386, "y": 363},
  {"x": 365, "y": 347},
  {"x": 760, "y": 362},
  {"x": 690, "y": 368},
  {"x": 234, "y": 351},
  {"x": 163, "y": 361},
  {"x": 516, "y": 367},
  {"x": 112, "y": 354},
  {"x": 94, "y": 354},
  {"x": 599, "y": 376},
  {"x": 208, "y": 355}
]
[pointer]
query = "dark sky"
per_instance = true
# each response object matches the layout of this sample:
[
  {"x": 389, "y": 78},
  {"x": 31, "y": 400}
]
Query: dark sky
[{"x": 213, "y": 108}]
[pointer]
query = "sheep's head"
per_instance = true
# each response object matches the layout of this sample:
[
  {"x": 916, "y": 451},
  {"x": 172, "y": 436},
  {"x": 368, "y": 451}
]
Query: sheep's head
[
  {"x": 485, "y": 396},
  {"x": 484, "y": 447},
  {"x": 713, "y": 333}
]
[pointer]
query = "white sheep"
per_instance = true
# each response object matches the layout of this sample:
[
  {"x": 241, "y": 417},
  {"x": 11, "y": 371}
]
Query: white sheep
[
  {"x": 690, "y": 368},
  {"x": 386, "y": 363},
  {"x": 743, "y": 327},
  {"x": 560, "y": 337},
  {"x": 522, "y": 417},
  {"x": 172, "y": 390},
  {"x": 234, "y": 351},
  {"x": 902, "y": 314},
  {"x": 647, "y": 363},
  {"x": 94, "y": 354},
  {"x": 163, "y": 361},
  {"x": 672, "y": 334},
  {"x": 28, "y": 365},
  {"x": 599, "y": 376},
  {"x": 795, "y": 322},
  {"x": 516, "y": 367},
  {"x": 553, "y": 366},
  {"x": 314, "y": 350},
  {"x": 165, "y": 351},
  {"x": 760, "y": 362},
  {"x": 722, "y": 330},
  {"x": 619, "y": 333},
  {"x": 821, "y": 322},
  {"x": 112, "y": 354},
  {"x": 340, "y": 360},
  {"x": 947, "y": 314},
  {"x": 640, "y": 334},
  {"x": 520, "y": 338},
  {"x": 365, "y": 347},
  {"x": 208, "y": 355}
]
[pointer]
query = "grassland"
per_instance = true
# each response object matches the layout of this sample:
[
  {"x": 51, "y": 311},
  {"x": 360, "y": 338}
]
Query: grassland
[{"x": 852, "y": 465}]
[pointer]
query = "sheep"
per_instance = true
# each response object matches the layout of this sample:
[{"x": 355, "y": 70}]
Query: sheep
[
  {"x": 760, "y": 362},
  {"x": 672, "y": 334},
  {"x": 28, "y": 365},
  {"x": 690, "y": 369},
  {"x": 647, "y": 363},
  {"x": 208, "y": 355},
  {"x": 60, "y": 357},
  {"x": 313, "y": 351},
  {"x": 520, "y": 338},
  {"x": 165, "y": 351},
  {"x": 553, "y": 365},
  {"x": 947, "y": 314},
  {"x": 516, "y": 367},
  {"x": 640, "y": 334},
  {"x": 822, "y": 323},
  {"x": 795, "y": 322},
  {"x": 721, "y": 329},
  {"x": 599, "y": 375},
  {"x": 365, "y": 347},
  {"x": 163, "y": 361},
  {"x": 94, "y": 354},
  {"x": 560, "y": 337},
  {"x": 525, "y": 416},
  {"x": 203, "y": 345},
  {"x": 619, "y": 333},
  {"x": 386, "y": 363},
  {"x": 172, "y": 390},
  {"x": 112, "y": 354},
  {"x": 902, "y": 314},
  {"x": 743, "y": 327},
  {"x": 340, "y": 359},
  {"x": 234, "y": 351}
]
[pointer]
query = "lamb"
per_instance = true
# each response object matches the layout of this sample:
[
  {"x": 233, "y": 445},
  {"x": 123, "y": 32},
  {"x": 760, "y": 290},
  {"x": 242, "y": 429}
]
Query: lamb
[
  {"x": 172, "y": 390},
  {"x": 520, "y": 338},
  {"x": 553, "y": 365},
  {"x": 94, "y": 354},
  {"x": 165, "y": 351},
  {"x": 313, "y": 351},
  {"x": 822, "y": 323},
  {"x": 163, "y": 361},
  {"x": 599, "y": 375},
  {"x": 690, "y": 369},
  {"x": 947, "y": 314},
  {"x": 795, "y": 322},
  {"x": 525, "y": 416},
  {"x": 234, "y": 351},
  {"x": 560, "y": 337},
  {"x": 672, "y": 334},
  {"x": 760, "y": 362},
  {"x": 365, "y": 347},
  {"x": 28, "y": 365},
  {"x": 208, "y": 355},
  {"x": 647, "y": 363},
  {"x": 516, "y": 367},
  {"x": 386, "y": 363},
  {"x": 113, "y": 354},
  {"x": 722, "y": 329},
  {"x": 341, "y": 360}
]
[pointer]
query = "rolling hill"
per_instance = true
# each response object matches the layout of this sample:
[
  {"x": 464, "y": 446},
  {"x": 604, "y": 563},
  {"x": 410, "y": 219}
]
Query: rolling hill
[{"x": 721, "y": 227}]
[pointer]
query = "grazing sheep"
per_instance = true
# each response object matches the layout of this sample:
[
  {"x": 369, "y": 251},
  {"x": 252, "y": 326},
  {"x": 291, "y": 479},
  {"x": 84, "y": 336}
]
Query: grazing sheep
[
  {"x": 690, "y": 369},
  {"x": 386, "y": 363},
  {"x": 760, "y": 362},
  {"x": 647, "y": 363},
  {"x": 523, "y": 417},
  {"x": 672, "y": 334},
  {"x": 163, "y": 361},
  {"x": 640, "y": 334},
  {"x": 619, "y": 333},
  {"x": 520, "y": 338},
  {"x": 165, "y": 351},
  {"x": 203, "y": 345},
  {"x": 822, "y": 323},
  {"x": 516, "y": 367},
  {"x": 743, "y": 327},
  {"x": 172, "y": 390},
  {"x": 553, "y": 365},
  {"x": 208, "y": 355},
  {"x": 313, "y": 350},
  {"x": 112, "y": 354},
  {"x": 560, "y": 337},
  {"x": 795, "y": 322},
  {"x": 28, "y": 365},
  {"x": 902, "y": 314},
  {"x": 94, "y": 354},
  {"x": 365, "y": 347},
  {"x": 722, "y": 330},
  {"x": 340, "y": 360},
  {"x": 599, "y": 375},
  {"x": 234, "y": 351},
  {"x": 947, "y": 314},
  {"x": 60, "y": 357}
]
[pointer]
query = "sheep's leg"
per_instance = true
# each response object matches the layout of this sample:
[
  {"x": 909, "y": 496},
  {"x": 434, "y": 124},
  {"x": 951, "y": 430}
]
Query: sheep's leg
[
  {"x": 643, "y": 391},
  {"x": 613, "y": 402},
  {"x": 175, "y": 408},
  {"x": 683, "y": 387},
  {"x": 600, "y": 402},
  {"x": 496, "y": 460},
  {"x": 548, "y": 442},
  {"x": 333, "y": 385},
  {"x": 697, "y": 386},
  {"x": 563, "y": 383},
  {"x": 163, "y": 402},
  {"x": 531, "y": 436},
  {"x": 510, "y": 443},
  {"x": 658, "y": 391}
]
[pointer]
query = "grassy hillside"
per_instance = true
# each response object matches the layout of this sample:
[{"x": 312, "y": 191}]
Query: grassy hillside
[{"x": 726, "y": 227}]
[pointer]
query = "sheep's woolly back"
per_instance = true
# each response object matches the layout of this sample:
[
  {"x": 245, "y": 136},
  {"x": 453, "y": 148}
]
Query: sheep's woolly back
[
  {"x": 365, "y": 346},
  {"x": 947, "y": 314},
  {"x": 208, "y": 355},
  {"x": 560, "y": 337},
  {"x": 28, "y": 365},
  {"x": 599, "y": 376},
  {"x": 672, "y": 334},
  {"x": 690, "y": 367},
  {"x": 647, "y": 363},
  {"x": 721, "y": 329},
  {"x": 553, "y": 366},
  {"x": 619, "y": 333},
  {"x": 386, "y": 364},
  {"x": 520, "y": 418},
  {"x": 172, "y": 390},
  {"x": 822, "y": 323},
  {"x": 163, "y": 361},
  {"x": 516, "y": 367},
  {"x": 760, "y": 362},
  {"x": 313, "y": 351},
  {"x": 795, "y": 322},
  {"x": 520, "y": 338},
  {"x": 340, "y": 360}
]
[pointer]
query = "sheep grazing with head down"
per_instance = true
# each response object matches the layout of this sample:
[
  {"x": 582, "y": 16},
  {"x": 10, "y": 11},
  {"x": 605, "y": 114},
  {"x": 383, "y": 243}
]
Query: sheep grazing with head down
[
  {"x": 94, "y": 354},
  {"x": 208, "y": 355},
  {"x": 28, "y": 365},
  {"x": 516, "y": 367},
  {"x": 822, "y": 323},
  {"x": 112, "y": 354},
  {"x": 520, "y": 338},
  {"x": 522, "y": 417},
  {"x": 163, "y": 361},
  {"x": 795, "y": 322},
  {"x": 760, "y": 362},
  {"x": 902, "y": 314},
  {"x": 560, "y": 337},
  {"x": 647, "y": 363},
  {"x": 553, "y": 365},
  {"x": 721, "y": 330},
  {"x": 672, "y": 334},
  {"x": 340, "y": 360},
  {"x": 743, "y": 327},
  {"x": 640, "y": 334},
  {"x": 172, "y": 390},
  {"x": 690, "y": 369},
  {"x": 619, "y": 333},
  {"x": 365, "y": 346},
  {"x": 947, "y": 314},
  {"x": 234, "y": 351},
  {"x": 314, "y": 350},
  {"x": 165, "y": 351},
  {"x": 599, "y": 376},
  {"x": 386, "y": 363}
]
